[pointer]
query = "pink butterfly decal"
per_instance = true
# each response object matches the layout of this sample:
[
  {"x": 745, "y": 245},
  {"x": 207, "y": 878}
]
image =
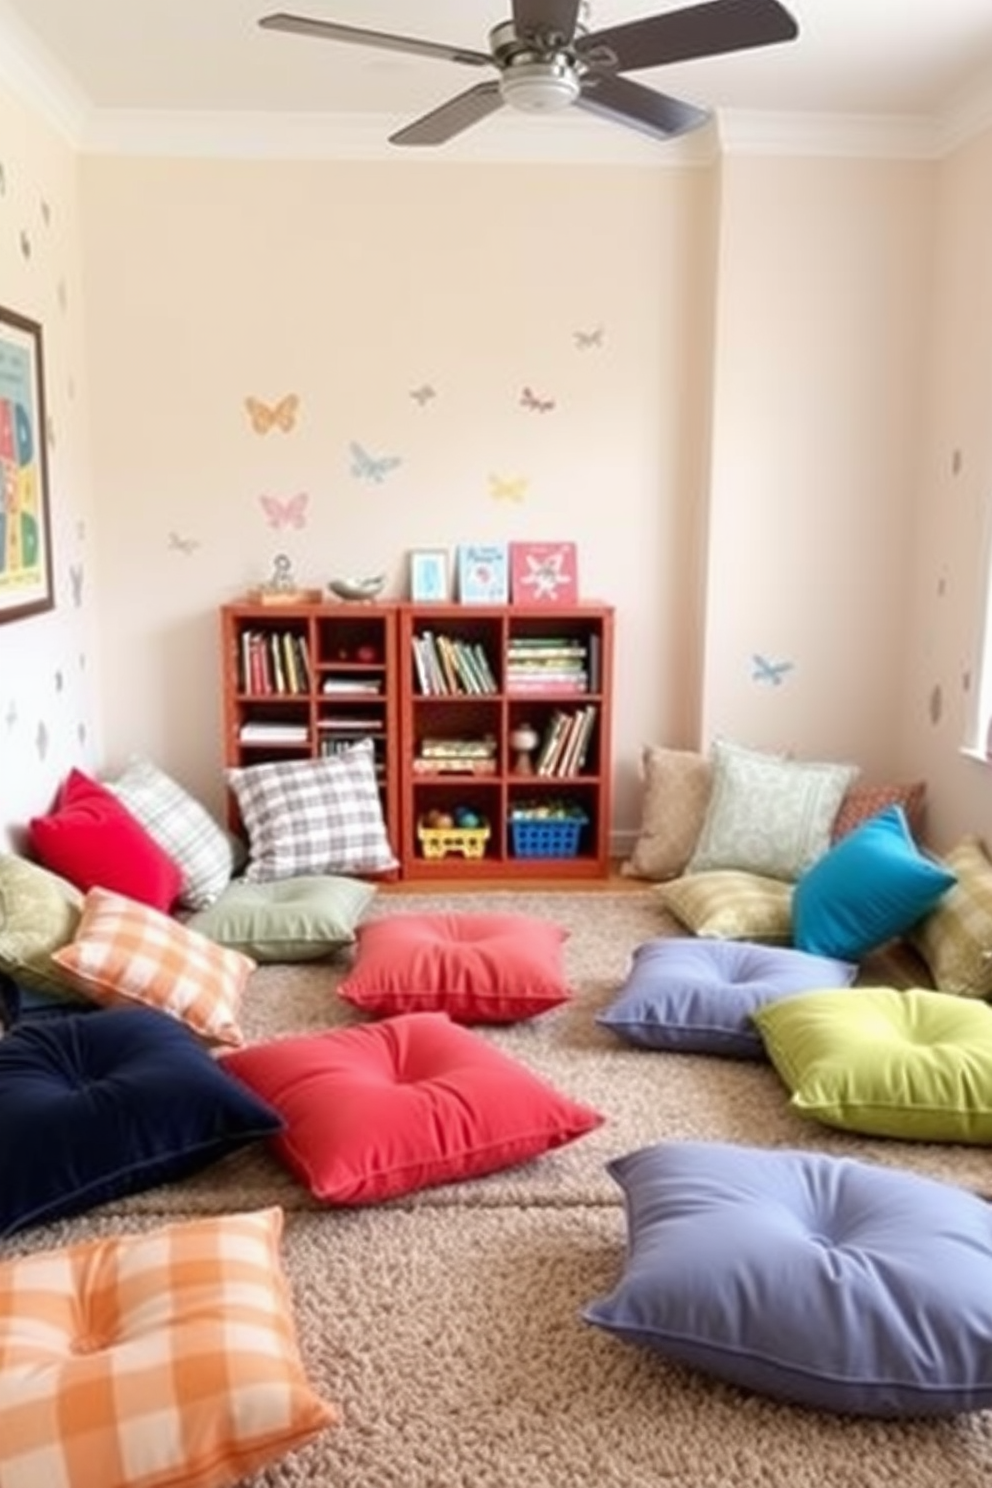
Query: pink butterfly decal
[
  {"x": 530, "y": 401},
  {"x": 292, "y": 512}
]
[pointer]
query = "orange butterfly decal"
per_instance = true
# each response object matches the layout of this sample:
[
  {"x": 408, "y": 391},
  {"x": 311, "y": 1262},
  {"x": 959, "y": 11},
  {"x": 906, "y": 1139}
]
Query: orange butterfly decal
[
  {"x": 289, "y": 513},
  {"x": 266, "y": 416}
]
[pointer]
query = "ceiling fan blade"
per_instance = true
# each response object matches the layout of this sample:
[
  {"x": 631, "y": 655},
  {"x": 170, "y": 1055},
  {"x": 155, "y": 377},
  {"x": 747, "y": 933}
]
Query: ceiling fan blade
[
  {"x": 331, "y": 31},
  {"x": 696, "y": 31},
  {"x": 627, "y": 102},
  {"x": 451, "y": 118},
  {"x": 546, "y": 18}
]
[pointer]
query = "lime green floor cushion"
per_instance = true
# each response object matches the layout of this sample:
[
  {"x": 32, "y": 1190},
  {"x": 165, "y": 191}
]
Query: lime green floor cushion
[
  {"x": 915, "y": 1065},
  {"x": 287, "y": 919}
]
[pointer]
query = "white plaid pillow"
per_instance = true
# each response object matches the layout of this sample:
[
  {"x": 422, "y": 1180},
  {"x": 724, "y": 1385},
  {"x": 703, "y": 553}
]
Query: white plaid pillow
[
  {"x": 181, "y": 827},
  {"x": 313, "y": 816}
]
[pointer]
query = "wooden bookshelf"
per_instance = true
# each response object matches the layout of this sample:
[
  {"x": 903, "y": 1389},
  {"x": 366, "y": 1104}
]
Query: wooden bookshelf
[
  {"x": 301, "y": 680},
  {"x": 476, "y": 673}
]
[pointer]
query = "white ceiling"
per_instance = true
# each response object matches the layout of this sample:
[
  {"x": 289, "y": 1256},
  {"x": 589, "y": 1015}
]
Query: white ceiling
[{"x": 115, "y": 59}]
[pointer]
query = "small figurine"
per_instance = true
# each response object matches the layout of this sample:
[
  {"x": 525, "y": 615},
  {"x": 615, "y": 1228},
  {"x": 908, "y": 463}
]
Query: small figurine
[
  {"x": 524, "y": 740},
  {"x": 282, "y": 574}
]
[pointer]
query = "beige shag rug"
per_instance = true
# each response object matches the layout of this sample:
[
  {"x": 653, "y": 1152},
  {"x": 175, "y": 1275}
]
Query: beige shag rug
[{"x": 447, "y": 1327}]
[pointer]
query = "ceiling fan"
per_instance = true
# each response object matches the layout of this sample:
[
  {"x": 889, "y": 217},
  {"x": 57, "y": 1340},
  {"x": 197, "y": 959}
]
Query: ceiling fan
[{"x": 547, "y": 60}]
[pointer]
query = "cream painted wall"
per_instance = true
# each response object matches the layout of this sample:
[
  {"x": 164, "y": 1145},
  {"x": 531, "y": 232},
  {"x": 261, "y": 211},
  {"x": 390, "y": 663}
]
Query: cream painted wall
[
  {"x": 352, "y": 286},
  {"x": 48, "y": 662},
  {"x": 953, "y": 521},
  {"x": 823, "y": 303}
]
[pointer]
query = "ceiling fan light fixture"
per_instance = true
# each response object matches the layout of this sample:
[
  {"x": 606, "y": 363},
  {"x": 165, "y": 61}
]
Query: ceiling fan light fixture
[{"x": 539, "y": 87}]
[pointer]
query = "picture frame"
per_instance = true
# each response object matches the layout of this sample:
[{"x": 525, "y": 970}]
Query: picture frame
[
  {"x": 26, "y": 584},
  {"x": 429, "y": 575},
  {"x": 544, "y": 573},
  {"x": 483, "y": 573}
]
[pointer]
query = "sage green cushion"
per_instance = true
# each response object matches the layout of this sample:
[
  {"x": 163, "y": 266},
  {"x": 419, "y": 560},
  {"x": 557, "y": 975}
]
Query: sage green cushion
[
  {"x": 914, "y": 1065},
  {"x": 39, "y": 914},
  {"x": 768, "y": 815},
  {"x": 955, "y": 938},
  {"x": 727, "y": 905},
  {"x": 286, "y": 919}
]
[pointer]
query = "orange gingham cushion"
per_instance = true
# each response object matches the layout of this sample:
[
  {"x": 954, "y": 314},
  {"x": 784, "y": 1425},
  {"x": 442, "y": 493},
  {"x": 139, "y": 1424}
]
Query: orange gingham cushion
[
  {"x": 126, "y": 951},
  {"x": 152, "y": 1361}
]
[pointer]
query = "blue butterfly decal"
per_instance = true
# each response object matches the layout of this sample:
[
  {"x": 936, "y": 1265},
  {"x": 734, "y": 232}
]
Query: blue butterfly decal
[
  {"x": 371, "y": 467},
  {"x": 770, "y": 671}
]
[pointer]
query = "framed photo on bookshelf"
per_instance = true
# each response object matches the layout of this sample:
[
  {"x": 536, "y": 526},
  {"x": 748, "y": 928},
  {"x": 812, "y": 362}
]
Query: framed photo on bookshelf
[
  {"x": 26, "y": 586},
  {"x": 483, "y": 574},
  {"x": 429, "y": 575},
  {"x": 544, "y": 573}
]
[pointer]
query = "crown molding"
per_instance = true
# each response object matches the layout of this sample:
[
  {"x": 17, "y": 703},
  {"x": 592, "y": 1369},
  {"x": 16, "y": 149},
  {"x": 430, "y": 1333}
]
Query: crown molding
[
  {"x": 867, "y": 136},
  {"x": 34, "y": 77}
]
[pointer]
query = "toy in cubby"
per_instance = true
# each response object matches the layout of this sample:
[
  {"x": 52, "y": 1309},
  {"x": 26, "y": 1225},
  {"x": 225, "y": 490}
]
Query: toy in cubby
[{"x": 462, "y": 830}]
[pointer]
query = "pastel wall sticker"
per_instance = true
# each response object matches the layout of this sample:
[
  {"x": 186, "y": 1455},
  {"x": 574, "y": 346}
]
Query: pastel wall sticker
[
  {"x": 508, "y": 487},
  {"x": 936, "y": 703},
  {"x": 589, "y": 340},
  {"x": 534, "y": 404},
  {"x": 41, "y": 740},
  {"x": 771, "y": 672},
  {"x": 46, "y": 213},
  {"x": 288, "y": 512},
  {"x": 423, "y": 394},
  {"x": 76, "y": 580},
  {"x": 266, "y": 416},
  {"x": 25, "y": 241},
  {"x": 185, "y": 545},
  {"x": 374, "y": 468}
]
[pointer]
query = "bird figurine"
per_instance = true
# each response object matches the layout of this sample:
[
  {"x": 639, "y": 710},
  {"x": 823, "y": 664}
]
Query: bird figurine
[{"x": 358, "y": 589}]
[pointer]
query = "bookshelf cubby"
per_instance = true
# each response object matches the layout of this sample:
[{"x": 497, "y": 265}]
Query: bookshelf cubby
[
  {"x": 473, "y": 673},
  {"x": 302, "y": 680}
]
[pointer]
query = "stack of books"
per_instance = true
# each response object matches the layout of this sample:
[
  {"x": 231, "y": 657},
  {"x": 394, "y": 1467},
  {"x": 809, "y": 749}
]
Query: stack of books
[
  {"x": 565, "y": 746},
  {"x": 475, "y": 756},
  {"x": 551, "y": 665}
]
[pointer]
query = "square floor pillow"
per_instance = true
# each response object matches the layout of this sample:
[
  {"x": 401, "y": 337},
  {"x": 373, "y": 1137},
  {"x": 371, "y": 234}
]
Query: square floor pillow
[
  {"x": 127, "y": 952},
  {"x": 91, "y": 839},
  {"x": 768, "y": 815},
  {"x": 286, "y": 919},
  {"x": 861, "y": 802},
  {"x": 384, "y": 1109},
  {"x": 181, "y": 826},
  {"x": 93, "y": 1106},
  {"x": 39, "y": 914},
  {"x": 818, "y": 1280},
  {"x": 677, "y": 785},
  {"x": 731, "y": 905},
  {"x": 697, "y": 996},
  {"x": 313, "y": 816},
  {"x": 955, "y": 937},
  {"x": 915, "y": 1065},
  {"x": 477, "y": 968},
  {"x": 871, "y": 886},
  {"x": 167, "y": 1359}
]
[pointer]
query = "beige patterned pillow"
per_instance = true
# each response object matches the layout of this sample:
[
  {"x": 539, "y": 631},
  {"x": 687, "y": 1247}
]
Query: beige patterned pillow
[
  {"x": 731, "y": 905},
  {"x": 677, "y": 785},
  {"x": 955, "y": 938}
]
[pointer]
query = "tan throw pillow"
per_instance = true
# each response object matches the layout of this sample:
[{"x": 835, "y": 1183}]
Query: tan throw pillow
[
  {"x": 677, "y": 784},
  {"x": 955, "y": 938},
  {"x": 728, "y": 904}
]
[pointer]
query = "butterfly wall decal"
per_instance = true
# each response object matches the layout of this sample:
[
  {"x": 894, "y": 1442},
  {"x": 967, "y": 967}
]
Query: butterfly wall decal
[
  {"x": 423, "y": 395},
  {"x": 185, "y": 545},
  {"x": 266, "y": 416},
  {"x": 508, "y": 487},
  {"x": 534, "y": 404},
  {"x": 289, "y": 512},
  {"x": 588, "y": 340},
  {"x": 772, "y": 672},
  {"x": 368, "y": 467},
  {"x": 76, "y": 580}
]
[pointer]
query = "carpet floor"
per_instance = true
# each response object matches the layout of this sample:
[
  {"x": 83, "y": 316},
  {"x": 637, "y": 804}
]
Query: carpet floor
[{"x": 447, "y": 1326}]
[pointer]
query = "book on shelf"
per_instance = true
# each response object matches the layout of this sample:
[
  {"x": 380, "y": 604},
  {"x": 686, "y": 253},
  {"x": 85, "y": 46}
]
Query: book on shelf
[
  {"x": 483, "y": 573},
  {"x": 483, "y": 747},
  {"x": 455, "y": 765},
  {"x": 260, "y": 732},
  {"x": 351, "y": 724},
  {"x": 449, "y": 667},
  {"x": 544, "y": 573},
  {"x": 564, "y": 749}
]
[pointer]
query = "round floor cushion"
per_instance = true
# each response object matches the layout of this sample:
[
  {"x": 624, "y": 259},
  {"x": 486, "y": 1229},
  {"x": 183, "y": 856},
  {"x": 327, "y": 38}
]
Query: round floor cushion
[{"x": 820, "y": 1280}]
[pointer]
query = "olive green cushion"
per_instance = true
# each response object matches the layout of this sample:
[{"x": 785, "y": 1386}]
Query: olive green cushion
[
  {"x": 915, "y": 1065},
  {"x": 39, "y": 914},
  {"x": 955, "y": 938},
  {"x": 727, "y": 904},
  {"x": 286, "y": 919}
]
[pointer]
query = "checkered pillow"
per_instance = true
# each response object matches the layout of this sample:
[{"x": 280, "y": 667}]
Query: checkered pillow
[
  {"x": 127, "y": 952},
  {"x": 955, "y": 938},
  {"x": 143, "y": 1360},
  {"x": 182, "y": 827},
  {"x": 313, "y": 816}
]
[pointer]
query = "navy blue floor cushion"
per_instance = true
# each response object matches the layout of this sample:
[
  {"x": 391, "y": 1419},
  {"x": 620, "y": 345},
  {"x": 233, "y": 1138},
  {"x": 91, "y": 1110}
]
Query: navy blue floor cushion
[
  {"x": 820, "y": 1280},
  {"x": 97, "y": 1105}
]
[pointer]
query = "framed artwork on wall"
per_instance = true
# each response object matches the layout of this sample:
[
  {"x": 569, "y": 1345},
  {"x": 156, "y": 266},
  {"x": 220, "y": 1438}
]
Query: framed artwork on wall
[
  {"x": 429, "y": 575},
  {"x": 483, "y": 573},
  {"x": 26, "y": 586},
  {"x": 544, "y": 573}
]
